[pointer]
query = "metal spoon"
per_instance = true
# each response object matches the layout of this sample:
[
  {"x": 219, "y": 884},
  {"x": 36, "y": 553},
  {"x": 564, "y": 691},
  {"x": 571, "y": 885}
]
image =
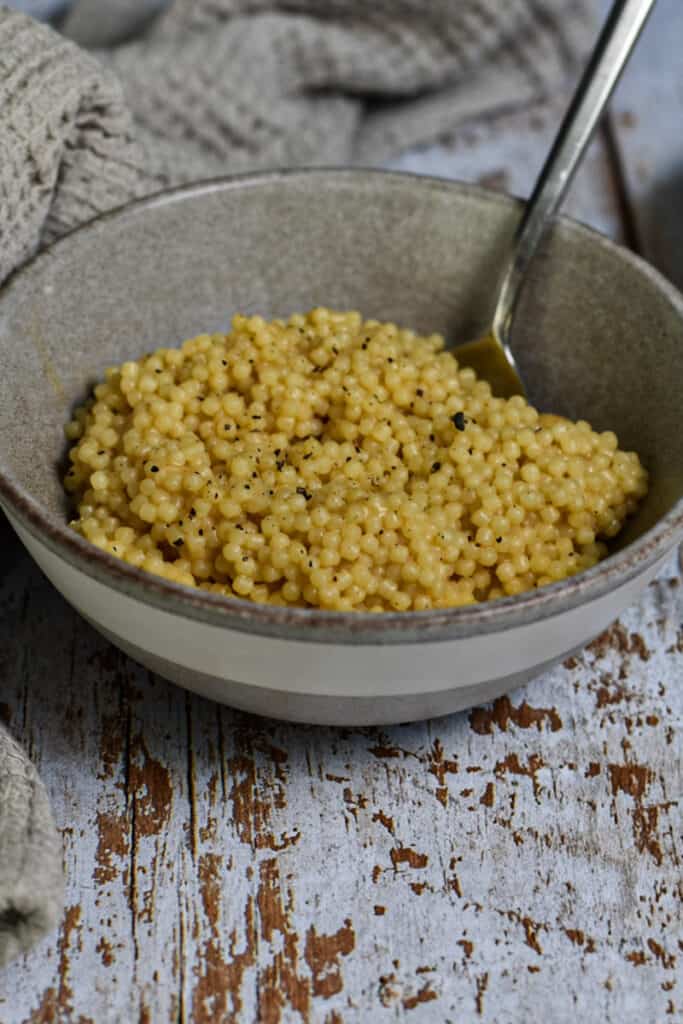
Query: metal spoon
[{"x": 491, "y": 355}]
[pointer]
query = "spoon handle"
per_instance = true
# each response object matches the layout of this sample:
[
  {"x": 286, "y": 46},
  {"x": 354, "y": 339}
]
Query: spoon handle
[{"x": 612, "y": 50}]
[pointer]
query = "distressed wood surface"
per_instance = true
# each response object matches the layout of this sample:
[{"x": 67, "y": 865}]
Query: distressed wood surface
[
  {"x": 647, "y": 107},
  {"x": 520, "y": 862}
]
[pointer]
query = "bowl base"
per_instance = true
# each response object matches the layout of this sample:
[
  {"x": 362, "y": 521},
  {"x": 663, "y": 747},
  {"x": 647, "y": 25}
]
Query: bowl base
[{"x": 323, "y": 709}]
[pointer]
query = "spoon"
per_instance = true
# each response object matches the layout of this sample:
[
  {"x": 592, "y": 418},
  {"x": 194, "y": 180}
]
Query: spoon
[{"x": 491, "y": 356}]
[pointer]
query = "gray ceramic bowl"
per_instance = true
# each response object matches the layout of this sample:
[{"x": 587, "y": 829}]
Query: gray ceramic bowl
[{"x": 599, "y": 335}]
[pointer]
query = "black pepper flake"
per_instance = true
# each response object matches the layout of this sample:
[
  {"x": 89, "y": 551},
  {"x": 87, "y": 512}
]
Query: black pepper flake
[
  {"x": 157, "y": 371},
  {"x": 459, "y": 420},
  {"x": 256, "y": 417},
  {"x": 364, "y": 345},
  {"x": 238, "y": 526},
  {"x": 390, "y": 360},
  {"x": 277, "y": 451},
  {"x": 101, "y": 451},
  {"x": 224, "y": 362},
  {"x": 308, "y": 456},
  {"x": 306, "y": 494},
  {"x": 436, "y": 466},
  {"x": 279, "y": 465},
  {"x": 253, "y": 476},
  {"x": 178, "y": 543},
  {"x": 419, "y": 392},
  {"x": 499, "y": 540},
  {"x": 201, "y": 533},
  {"x": 348, "y": 458},
  {"x": 247, "y": 487},
  {"x": 154, "y": 469},
  {"x": 431, "y": 437},
  {"x": 470, "y": 451}
]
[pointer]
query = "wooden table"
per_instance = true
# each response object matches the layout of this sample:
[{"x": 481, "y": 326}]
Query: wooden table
[{"x": 518, "y": 863}]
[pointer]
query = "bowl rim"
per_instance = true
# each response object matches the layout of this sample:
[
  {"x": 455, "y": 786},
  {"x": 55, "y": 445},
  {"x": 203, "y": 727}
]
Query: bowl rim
[{"x": 317, "y": 625}]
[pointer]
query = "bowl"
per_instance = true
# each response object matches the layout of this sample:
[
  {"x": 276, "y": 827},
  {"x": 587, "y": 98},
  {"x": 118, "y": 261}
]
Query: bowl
[{"x": 599, "y": 336}]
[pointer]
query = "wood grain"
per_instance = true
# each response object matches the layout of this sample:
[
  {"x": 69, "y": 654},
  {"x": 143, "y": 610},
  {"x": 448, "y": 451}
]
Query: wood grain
[
  {"x": 226, "y": 868},
  {"x": 518, "y": 862},
  {"x": 647, "y": 106}
]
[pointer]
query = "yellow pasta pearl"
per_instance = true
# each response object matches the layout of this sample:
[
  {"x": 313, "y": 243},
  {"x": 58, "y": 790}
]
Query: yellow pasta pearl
[{"x": 330, "y": 462}]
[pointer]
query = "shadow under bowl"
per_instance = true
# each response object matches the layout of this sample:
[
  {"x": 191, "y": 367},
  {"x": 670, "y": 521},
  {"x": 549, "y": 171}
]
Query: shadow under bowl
[{"x": 599, "y": 336}]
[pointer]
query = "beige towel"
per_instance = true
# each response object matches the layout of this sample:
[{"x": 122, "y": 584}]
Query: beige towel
[
  {"x": 30, "y": 854},
  {"x": 210, "y": 87},
  {"x": 222, "y": 86}
]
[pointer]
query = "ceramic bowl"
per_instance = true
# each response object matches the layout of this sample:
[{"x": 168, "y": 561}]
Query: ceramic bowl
[{"x": 599, "y": 336}]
